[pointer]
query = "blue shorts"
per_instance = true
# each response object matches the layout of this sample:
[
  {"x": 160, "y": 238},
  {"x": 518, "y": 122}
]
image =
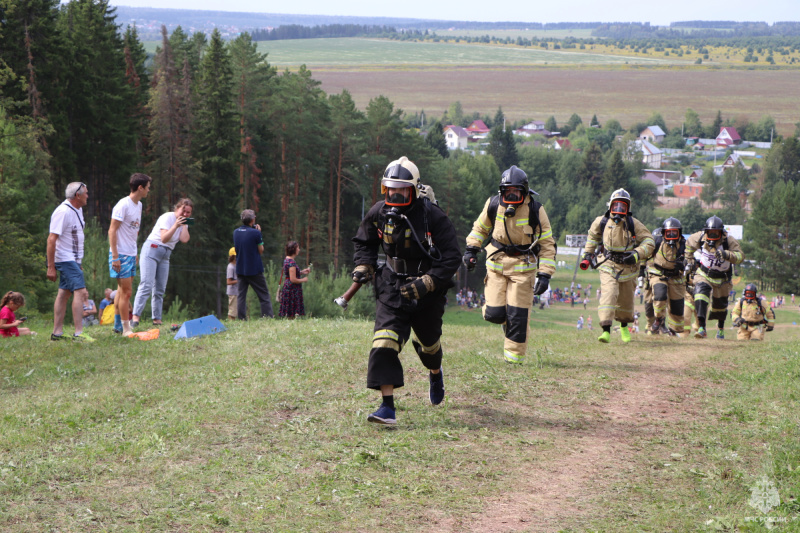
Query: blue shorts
[
  {"x": 71, "y": 276},
  {"x": 127, "y": 266}
]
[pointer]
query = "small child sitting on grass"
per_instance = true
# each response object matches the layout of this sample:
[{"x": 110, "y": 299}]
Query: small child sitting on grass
[{"x": 9, "y": 325}]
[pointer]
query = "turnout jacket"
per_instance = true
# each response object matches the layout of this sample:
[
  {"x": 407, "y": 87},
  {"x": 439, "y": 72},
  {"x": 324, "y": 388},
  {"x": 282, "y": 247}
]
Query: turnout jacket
[
  {"x": 753, "y": 312},
  {"x": 405, "y": 258},
  {"x": 520, "y": 232},
  {"x": 667, "y": 261},
  {"x": 616, "y": 238},
  {"x": 715, "y": 270}
]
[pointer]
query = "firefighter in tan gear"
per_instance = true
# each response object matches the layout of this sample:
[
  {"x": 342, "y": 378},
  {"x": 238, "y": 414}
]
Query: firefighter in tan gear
[
  {"x": 667, "y": 279},
  {"x": 751, "y": 317},
  {"x": 689, "y": 312},
  {"x": 621, "y": 241},
  {"x": 647, "y": 289},
  {"x": 712, "y": 282},
  {"x": 520, "y": 251}
]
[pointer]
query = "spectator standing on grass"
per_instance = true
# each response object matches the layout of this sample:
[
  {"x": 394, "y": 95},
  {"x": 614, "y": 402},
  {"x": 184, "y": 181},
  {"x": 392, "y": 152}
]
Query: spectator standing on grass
[
  {"x": 589, "y": 322},
  {"x": 232, "y": 290},
  {"x": 126, "y": 218},
  {"x": 64, "y": 256},
  {"x": 170, "y": 229},
  {"x": 292, "y": 290},
  {"x": 9, "y": 325},
  {"x": 580, "y": 323},
  {"x": 248, "y": 243}
]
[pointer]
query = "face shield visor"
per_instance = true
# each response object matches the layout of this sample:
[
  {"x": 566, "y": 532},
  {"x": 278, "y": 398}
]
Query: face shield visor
[
  {"x": 512, "y": 195},
  {"x": 713, "y": 234},
  {"x": 672, "y": 234},
  {"x": 749, "y": 293},
  {"x": 399, "y": 196},
  {"x": 619, "y": 207}
]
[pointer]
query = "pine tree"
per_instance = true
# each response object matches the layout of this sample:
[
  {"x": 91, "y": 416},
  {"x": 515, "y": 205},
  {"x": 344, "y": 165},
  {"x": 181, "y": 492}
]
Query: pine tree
[
  {"x": 95, "y": 139},
  {"x": 169, "y": 107},
  {"x": 215, "y": 144},
  {"x": 615, "y": 175},
  {"x": 347, "y": 125},
  {"x": 253, "y": 84},
  {"x": 435, "y": 139}
]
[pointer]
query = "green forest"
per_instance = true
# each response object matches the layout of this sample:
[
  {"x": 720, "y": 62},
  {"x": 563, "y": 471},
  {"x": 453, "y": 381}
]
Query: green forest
[{"x": 80, "y": 100}]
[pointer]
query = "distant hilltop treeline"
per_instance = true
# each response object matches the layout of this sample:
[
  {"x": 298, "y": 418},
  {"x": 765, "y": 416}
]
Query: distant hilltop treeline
[{"x": 275, "y": 25}]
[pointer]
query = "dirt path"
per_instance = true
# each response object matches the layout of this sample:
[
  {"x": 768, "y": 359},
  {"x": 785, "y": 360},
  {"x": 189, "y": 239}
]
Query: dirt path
[{"x": 567, "y": 489}]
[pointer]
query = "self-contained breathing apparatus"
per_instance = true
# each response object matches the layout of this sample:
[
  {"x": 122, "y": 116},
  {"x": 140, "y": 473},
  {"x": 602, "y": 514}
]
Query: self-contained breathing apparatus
[{"x": 618, "y": 208}]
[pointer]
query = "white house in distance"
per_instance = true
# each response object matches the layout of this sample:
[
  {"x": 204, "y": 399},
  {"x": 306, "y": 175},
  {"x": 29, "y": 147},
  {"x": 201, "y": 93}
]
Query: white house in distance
[
  {"x": 654, "y": 134},
  {"x": 533, "y": 128},
  {"x": 662, "y": 179},
  {"x": 728, "y": 137},
  {"x": 456, "y": 137},
  {"x": 651, "y": 155}
]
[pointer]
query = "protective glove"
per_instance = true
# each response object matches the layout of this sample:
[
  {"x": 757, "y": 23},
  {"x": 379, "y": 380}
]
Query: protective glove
[
  {"x": 471, "y": 257},
  {"x": 585, "y": 262},
  {"x": 630, "y": 258},
  {"x": 738, "y": 321},
  {"x": 542, "y": 284},
  {"x": 770, "y": 328},
  {"x": 723, "y": 255},
  {"x": 363, "y": 273},
  {"x": 417, "y": 288}
]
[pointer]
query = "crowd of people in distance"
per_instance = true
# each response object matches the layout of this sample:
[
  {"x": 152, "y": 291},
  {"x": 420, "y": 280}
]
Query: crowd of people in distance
[{"x": 469, "y": 298}]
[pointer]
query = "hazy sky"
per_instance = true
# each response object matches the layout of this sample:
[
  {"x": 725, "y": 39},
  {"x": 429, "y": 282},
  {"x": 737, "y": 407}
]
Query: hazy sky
[{"x": 660, "y": 13}]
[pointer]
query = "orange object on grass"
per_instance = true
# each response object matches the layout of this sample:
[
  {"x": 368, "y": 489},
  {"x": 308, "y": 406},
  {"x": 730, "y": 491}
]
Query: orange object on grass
[{"x": 146, "y": 335}]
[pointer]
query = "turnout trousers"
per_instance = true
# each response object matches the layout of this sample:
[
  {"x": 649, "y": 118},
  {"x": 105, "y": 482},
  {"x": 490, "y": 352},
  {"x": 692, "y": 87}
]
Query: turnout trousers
[
  {"x": 616, "y": 298},
  {"x": 713, "y": 293},
  {"x": 648, "y": 305},
  {"x": 509, "y": 297},
  {"x": 689, "y": 314},
  {"x": 668, "y": 300},
  {"x": 747, "y": 332},
  {"x": 393, "y": 327}
]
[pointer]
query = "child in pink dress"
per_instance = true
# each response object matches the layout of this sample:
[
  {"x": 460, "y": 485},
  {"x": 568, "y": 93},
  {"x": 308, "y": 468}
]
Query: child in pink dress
[{"x": 9, "y": 325}]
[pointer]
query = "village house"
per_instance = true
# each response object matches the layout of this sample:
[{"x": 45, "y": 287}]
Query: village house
[
  {"x": 478, "y": 129},
  {"x": 728, "y": 137},
  {"x": 688, "y": 190},
  {"x": 533, "y": 128},
  {"x": 456, "y": 137},
  {"x": 652, "y": 156},
  {"x": 730, "y": 162},
  {"x": 562, "y": 144},
  {"x": 653, "y": 134}
]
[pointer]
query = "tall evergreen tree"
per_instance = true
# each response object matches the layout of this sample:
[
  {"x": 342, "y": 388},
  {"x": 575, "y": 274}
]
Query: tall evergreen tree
[
  {"x": 615, "y": 175},
  {"x": 169, "y": 107},
  {"x": 95, "y": 140},
  {"x": 435, "y": 139},
  {"x": 772, "y": 236},
  {"x": 216, "y": 146},
  {"x": 501, "y": 143},
  {"x": 591, "y": 172},
  {"x": 348, "y": 125},
  {"x": 253, "y": 79}
]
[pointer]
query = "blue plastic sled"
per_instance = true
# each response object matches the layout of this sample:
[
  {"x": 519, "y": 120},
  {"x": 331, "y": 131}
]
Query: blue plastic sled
[{"x": 208, "y": 325}]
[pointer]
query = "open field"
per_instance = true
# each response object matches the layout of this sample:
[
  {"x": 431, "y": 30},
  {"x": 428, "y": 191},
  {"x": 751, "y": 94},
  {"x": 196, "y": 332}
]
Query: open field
[
  {"x": 628, "y": 95},
  {"x": 262, "y": 428}
]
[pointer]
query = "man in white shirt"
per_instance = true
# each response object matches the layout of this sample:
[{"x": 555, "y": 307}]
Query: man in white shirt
[
  {"x": 126, "y": 218},
  {"x": 64, "y": 256}
]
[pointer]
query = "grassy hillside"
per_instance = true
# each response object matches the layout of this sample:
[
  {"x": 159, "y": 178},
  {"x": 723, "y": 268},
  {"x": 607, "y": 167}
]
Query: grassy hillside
[{"x": 262, "y": 428}]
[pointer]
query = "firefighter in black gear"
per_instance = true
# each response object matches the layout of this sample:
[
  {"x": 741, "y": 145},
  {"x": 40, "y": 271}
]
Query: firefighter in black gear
[
  {"x": 719, "y": 251},
  {"x": 666, "y": 279},
  {"x": 422, "y": 256}
]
